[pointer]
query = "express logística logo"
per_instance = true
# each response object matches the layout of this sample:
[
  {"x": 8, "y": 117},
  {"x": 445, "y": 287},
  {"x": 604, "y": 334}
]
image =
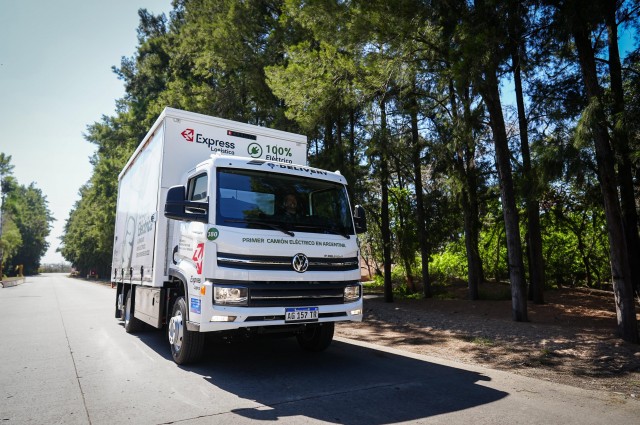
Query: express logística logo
[
  {"x": 214, "y": 145},
  {"x": 188, "y": 134}
]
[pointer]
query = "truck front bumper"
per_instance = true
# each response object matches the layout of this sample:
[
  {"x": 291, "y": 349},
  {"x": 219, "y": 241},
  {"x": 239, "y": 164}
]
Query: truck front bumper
[{"x": 224, "y": 318}]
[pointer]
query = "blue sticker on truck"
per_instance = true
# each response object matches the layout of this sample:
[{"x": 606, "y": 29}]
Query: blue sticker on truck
[{"x": 195, "y": 305}]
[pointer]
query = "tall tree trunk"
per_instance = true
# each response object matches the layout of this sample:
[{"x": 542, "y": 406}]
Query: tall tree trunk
[
  {"x": 384, "y": 191},
  {"x": 352, "y": 140},
  {"x": 497, "y": 257},
  {"x": 491, "y": 95},
  {"x": 473, "y": 278},
  {"x": 328, "y": 148},
  {"x": 534, "y": 235},
  {"x": 421, "y": 219},
  {"x": 406, "y": 256},
  {"x": 585, "y": 260},
  {"x": 464, "y": 164},
  {"x": 471, "y": 175},
  {"x": 351, "y": 157},
  {"x": 620, "y": 269},
  {"x": 339, "y": 157},
  {"x": 621, "y": 147}
]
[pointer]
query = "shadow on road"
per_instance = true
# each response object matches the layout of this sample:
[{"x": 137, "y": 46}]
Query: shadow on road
[{"x": 346, "y": 384}]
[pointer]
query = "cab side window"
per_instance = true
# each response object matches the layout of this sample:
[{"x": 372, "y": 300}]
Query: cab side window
[{"x": 197, "y": 188}]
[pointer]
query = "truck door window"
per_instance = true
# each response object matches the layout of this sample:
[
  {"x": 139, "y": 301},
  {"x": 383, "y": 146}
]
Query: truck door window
[{"x": 197, "y": 188}]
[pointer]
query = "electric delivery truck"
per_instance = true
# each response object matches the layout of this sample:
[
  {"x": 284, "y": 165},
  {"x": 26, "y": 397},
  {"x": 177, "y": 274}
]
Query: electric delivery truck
[{"x": 222, "y": 227}]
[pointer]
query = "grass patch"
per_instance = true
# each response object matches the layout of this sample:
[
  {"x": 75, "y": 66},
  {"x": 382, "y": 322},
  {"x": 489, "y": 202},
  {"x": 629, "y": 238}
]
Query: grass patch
[
  {"x": 373, "y": 284},
  {"x": 444, "y": 296},
  {"x": 485, "y": 342},
  {"x": 406, "y": 296}
]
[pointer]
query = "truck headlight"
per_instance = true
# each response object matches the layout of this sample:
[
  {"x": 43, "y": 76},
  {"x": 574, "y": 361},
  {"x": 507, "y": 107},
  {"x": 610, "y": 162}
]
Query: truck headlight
[
  {"x": 230, "y": 295},
  {"x": 351, "y": 293}
]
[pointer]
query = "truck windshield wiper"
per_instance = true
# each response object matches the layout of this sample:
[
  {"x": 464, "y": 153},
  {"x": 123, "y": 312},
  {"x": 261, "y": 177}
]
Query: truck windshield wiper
[{"x": 261, "y": 223}]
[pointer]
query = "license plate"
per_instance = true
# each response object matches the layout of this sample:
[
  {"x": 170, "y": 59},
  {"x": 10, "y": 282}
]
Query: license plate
[{"x": 301, "y": 314}]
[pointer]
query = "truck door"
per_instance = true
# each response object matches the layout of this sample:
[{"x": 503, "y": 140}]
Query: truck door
[{"x": 192, "y": 233}]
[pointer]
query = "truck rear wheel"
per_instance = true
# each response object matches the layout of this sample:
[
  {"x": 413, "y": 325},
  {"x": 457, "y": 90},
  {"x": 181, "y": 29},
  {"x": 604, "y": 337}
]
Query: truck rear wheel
[
  {"x": 121, "y": 306},
  {"x": 316, "y": 337},
  {"x": 186, "y": 345},
  {"x": 131, "y": 324}
]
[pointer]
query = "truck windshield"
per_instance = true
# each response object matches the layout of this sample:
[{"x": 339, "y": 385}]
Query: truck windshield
[{"x": 259, "y": 200}]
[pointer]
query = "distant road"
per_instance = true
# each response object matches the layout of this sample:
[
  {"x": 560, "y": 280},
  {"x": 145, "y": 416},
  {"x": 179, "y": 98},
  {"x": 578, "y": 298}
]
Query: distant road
[{"x": 64, "y": 359}]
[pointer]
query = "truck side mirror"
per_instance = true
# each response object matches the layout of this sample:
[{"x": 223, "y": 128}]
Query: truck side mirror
[
  {"x": 178, "y": 208},
  {"x": 360, "y": 219}
]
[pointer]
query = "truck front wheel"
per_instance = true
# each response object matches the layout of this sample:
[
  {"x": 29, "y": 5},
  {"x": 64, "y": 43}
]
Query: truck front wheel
[
  {"x": 186, "y": 345},
  {"x": 316, "y": 337}
]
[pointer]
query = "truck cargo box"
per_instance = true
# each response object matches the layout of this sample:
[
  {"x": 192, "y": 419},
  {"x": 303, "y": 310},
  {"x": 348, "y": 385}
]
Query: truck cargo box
[{"x": 176, "y": 143}]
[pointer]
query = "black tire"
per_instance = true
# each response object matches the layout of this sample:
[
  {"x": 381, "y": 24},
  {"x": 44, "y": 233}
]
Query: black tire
[
  {"x": 316, "y": 337},
  {"x": 122, "y": 309},
  {"x": 131, "y": 324},
  {"x": 186, "y": 346}
]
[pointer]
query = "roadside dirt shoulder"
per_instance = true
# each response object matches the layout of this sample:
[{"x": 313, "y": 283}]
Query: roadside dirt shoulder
[{"x": 570, "y": 339}]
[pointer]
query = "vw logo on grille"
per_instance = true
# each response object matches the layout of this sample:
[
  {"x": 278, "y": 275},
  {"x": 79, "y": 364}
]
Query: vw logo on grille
[{"x": 300, "y": 263}]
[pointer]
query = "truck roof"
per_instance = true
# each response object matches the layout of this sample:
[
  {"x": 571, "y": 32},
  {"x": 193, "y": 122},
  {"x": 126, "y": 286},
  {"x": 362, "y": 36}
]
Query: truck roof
[{"x": 221, "y": 122}]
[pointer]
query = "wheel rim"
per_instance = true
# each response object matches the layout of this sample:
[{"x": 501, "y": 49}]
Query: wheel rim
[{"x": 175, "y": 332}]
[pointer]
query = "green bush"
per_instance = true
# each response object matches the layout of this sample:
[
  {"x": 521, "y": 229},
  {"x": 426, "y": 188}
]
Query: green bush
[{"x": 448, "y": 265}]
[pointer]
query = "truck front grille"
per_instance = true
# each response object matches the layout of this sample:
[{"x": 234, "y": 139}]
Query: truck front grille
[
  {"x": 261, "y": 262},
  {"x": 295, "y": 296}
]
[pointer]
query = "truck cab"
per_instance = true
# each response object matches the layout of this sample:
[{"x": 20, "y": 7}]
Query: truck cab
[{"x": 263, "y": 244}]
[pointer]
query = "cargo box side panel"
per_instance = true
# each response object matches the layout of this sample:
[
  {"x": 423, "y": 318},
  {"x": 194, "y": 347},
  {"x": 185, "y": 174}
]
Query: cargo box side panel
[{"x": 137, "y": 214}]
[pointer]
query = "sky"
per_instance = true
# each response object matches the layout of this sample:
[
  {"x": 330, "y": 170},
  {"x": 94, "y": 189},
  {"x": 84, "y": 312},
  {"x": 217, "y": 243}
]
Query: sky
[{"x": 55, "y": 80}]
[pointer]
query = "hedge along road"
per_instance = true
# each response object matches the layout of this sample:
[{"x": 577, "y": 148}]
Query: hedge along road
[{"x": 66, "y": 359}]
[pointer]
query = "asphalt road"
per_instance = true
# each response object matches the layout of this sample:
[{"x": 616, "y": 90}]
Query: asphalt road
[{"x": 65, "y": 359}]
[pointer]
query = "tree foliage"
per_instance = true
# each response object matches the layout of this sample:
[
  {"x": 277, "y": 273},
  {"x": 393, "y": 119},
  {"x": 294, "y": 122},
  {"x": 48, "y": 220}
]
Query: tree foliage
[
  {"x": 406, "y": 99},
  {"x": 26, "y": 222}
]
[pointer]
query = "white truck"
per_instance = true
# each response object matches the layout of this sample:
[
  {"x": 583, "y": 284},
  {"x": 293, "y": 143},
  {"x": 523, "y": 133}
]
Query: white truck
[{"x": 221, "y": 227}]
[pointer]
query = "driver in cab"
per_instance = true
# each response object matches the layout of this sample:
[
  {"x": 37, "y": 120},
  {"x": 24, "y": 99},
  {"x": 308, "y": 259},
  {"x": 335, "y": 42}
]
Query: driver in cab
[{"x": 290, "y": 207}]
